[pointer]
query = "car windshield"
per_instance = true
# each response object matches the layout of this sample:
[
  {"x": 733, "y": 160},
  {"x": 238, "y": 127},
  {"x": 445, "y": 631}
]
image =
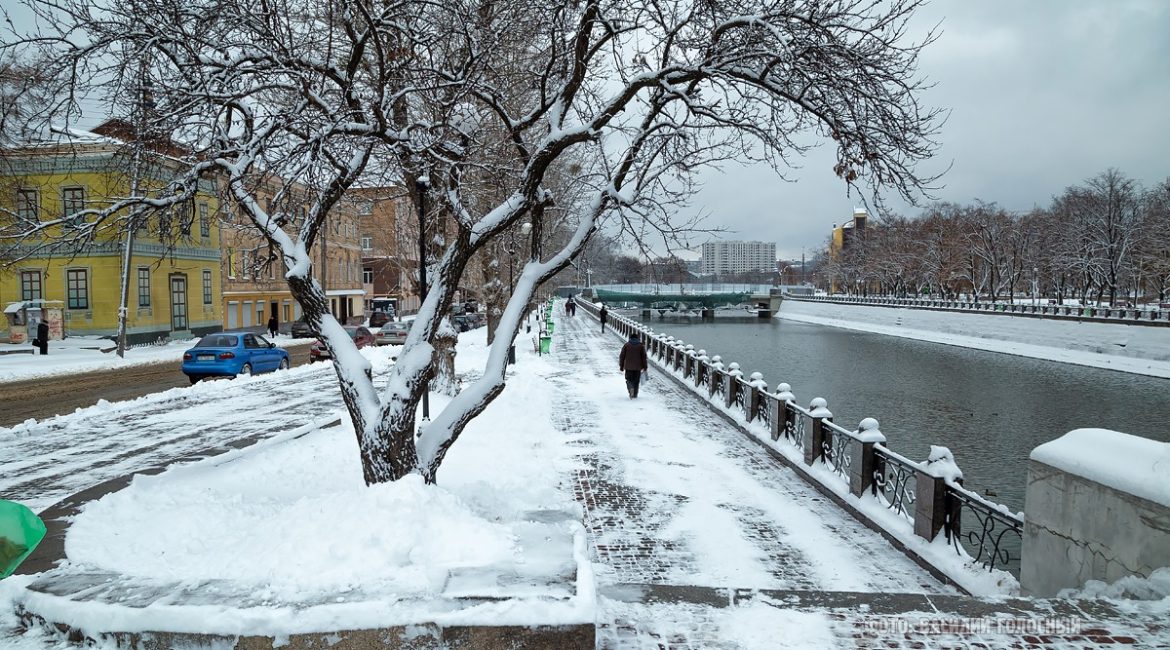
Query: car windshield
[
  {"x": 218, "y": 341},
  {"x": 352, "y": 331},
  {"x": 397, "y": 327}
]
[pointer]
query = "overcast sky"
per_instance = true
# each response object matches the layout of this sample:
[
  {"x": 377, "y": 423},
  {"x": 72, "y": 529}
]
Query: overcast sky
[{"x": 1042, "y": 95}]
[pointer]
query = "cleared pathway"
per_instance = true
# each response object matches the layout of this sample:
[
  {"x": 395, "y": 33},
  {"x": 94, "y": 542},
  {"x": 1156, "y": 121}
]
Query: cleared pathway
[{"x": 701, "y": 539}]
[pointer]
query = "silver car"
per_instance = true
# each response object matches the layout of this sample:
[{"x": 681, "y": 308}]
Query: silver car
[{"x": 393, "y": 334}]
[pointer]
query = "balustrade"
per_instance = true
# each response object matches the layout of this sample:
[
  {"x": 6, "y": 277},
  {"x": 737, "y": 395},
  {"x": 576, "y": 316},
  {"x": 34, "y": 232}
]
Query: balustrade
[{"x": 985, "y": 531}]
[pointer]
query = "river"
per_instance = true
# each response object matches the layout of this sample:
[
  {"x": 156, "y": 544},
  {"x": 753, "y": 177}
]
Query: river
[{"x": 990, "y": 409}]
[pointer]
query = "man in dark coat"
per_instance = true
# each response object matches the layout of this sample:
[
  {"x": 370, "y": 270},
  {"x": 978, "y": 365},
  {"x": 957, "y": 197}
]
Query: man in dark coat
[
  {"x": 633, "y": 362},
  {"x": 273, "y": 326},
  {"x": 42, "y": 339},
  {"x": 603, "y": 316}
]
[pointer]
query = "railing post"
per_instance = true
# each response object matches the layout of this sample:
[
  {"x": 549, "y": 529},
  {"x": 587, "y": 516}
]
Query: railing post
[
  {"x": 716, "y": 374},
  {"x": 731, "y": 384},
  {"x": 780, "y": 414},
  {"x": 931, "y": 505},
  {"x": 862, "y": 460},
  {"x": 814, "y": 441},
  {"x": 701, "y": 368},
  {"x": 756, "y": 389}
]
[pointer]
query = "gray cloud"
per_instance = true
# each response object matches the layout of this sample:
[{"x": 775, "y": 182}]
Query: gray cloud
[{"x": 1042, "y": 96}]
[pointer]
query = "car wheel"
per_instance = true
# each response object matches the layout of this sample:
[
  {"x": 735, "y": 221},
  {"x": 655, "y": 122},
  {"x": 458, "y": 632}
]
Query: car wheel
[
  {"x": 284, "y": 364},
  {"x": 245, "y": 371},
  {"x": 194, "y": 378}
]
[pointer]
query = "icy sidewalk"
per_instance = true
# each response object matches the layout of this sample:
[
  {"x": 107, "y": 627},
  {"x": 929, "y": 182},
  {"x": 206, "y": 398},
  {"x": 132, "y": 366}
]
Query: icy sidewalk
[{"x": 701, "y": 539}]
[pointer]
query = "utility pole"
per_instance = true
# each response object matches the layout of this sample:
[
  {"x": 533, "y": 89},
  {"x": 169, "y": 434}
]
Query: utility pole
[
  {"x": 142, "y": 103},
  {"x": 802, "y": 264},
  {"x": 421, "y": 186}
]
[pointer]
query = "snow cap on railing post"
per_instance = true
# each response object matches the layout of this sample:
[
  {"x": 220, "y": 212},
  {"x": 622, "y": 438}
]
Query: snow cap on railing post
[
  {"x": 784, "y": 392},
  {"x": 931, "y": 504},
  {"x": 814, "y": 446},
  {"x": 868, "y": 431},
  {"x": 717, "y": 363}
]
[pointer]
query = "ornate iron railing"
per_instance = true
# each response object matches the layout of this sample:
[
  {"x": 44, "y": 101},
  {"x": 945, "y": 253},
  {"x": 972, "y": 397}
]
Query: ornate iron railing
[
  {"x": 895, "y": 480},
  {"x": 835, "y": 449},
  {"x": 794, "y": 423},
  {"x": 989, "y": 532},
  {"x": 741, "y": 394},
  {"x": 716, "y": 383},
  {"x": 763, "y": 414}
]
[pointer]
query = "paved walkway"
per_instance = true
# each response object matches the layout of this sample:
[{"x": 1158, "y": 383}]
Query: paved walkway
[{"x": 688, "y": 517}]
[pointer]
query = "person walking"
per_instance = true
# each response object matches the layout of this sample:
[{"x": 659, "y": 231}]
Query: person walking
[
  {"x": 603, "y": 315},
  {"x": 273, "y": 325},
  {"x": 42, "y": 340},
  {"x": 633, "y": 362}
]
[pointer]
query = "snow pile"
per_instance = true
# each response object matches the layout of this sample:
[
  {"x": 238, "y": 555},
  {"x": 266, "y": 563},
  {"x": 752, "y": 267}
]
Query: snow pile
[
  {"x": 287, "y": 531},
  {"x": 1132, "y": 464},
  {"x": 295, "y": 521},
  {"x": 1155, "y": 587}
]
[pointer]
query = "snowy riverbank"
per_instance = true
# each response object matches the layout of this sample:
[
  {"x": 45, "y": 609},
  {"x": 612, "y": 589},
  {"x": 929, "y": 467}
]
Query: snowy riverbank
[{"x": 1127, "y": 348}]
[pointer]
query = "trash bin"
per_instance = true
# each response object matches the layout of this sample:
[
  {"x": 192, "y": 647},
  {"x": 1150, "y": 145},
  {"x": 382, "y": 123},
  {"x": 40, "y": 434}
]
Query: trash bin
[
  {"x": 549, "y": 326},
  {"x": 20, "y": 532},
  {"x": 512, "y": 354},
  {"x": 545, "y": 344},
  {"x": 1088, "y": 311}
]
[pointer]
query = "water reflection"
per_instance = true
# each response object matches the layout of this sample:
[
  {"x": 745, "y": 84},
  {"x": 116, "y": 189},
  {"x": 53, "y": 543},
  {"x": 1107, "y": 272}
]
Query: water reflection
[{"x": 990, "y": 409}]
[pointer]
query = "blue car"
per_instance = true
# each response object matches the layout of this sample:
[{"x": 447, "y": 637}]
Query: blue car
[{"x": 230, "y": 354}]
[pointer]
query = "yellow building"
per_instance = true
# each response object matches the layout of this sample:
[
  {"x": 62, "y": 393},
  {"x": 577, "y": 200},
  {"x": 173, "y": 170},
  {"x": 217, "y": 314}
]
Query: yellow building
[{"x": 174, "y": 273}]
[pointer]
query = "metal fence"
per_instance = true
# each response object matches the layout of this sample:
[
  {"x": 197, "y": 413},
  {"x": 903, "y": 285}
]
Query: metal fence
[
  {"x": 1131, "y": 315},
  {"x": 859, "y": 459}
]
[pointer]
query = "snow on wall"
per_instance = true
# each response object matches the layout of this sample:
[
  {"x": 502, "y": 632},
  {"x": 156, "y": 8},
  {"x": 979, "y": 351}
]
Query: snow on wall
[{"x": 1124, "y": 462}]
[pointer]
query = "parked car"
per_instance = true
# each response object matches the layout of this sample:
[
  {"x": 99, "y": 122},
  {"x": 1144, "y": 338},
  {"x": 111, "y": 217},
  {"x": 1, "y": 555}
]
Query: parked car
[
  {"x": 301, "y": 330},
  {"x": 461, "y": 323},
  {"x": 361, "y": 337},
  {"x": 230, "y": 354},
  {"x": 393, "y": 334},
  {"x": 380, "y": 318}
]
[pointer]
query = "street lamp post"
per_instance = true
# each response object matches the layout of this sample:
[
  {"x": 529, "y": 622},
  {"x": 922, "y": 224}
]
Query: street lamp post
[
  {"x": 421, "y": 186},
  {"x": 525, "y": 228},
  {"x": 1035, "y": 288}
]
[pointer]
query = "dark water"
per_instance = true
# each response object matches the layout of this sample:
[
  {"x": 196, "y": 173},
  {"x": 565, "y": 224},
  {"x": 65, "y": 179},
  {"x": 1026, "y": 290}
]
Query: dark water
[{"x": 990, "y": 409}]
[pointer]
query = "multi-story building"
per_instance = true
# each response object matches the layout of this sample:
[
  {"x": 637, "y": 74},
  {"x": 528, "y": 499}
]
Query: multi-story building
[
  {"x": 730, "y": 257},
  {"x": 846, "y": 237},
  {"x": 254, "y": 287},
  {"x": 388, "y": 245},
  {"x": 847, "y": 234},
  {"x": 174, "y": 269}
]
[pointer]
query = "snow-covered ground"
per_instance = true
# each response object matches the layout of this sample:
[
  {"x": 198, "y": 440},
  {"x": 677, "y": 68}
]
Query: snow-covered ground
[
  {"x": 1136, "y": 349},
  {"x": 671, "y": 496},
  {"x": 85, "y": 353}
]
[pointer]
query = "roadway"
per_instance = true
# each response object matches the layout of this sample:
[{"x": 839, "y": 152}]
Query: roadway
[{"x": 45, "y": 397}]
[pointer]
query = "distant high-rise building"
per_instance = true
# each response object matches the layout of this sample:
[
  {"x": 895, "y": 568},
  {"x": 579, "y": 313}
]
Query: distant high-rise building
[{"x": 738, "y": 257}]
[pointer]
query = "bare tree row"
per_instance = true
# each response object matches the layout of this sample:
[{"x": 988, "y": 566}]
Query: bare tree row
[{"x": 1105, "y": 239}]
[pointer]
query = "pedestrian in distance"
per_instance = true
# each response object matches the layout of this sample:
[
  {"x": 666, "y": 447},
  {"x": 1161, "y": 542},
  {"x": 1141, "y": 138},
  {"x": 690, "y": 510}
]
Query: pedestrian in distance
[
  {"x": 603, "y": 315},
  {"x": 634, "y": 363},
  {"x": 42, "y": 340},
  {"x": 273, "y": 326}
]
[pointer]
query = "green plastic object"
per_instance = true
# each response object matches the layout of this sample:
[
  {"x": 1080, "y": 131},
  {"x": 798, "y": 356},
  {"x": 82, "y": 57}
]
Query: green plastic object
[
  {"x": 550, "y": 326},
  {"x": 545, "y": 344},
  {"x": 20, "y": 532}
]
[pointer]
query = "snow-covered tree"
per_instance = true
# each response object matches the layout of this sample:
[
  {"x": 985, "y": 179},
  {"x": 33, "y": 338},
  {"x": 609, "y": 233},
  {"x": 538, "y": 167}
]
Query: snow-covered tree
[{"x": 638, "y": 94}]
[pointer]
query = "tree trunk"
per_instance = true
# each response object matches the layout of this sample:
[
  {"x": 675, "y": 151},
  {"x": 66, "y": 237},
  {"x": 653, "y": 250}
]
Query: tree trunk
[
  {"x": 494, "y": 295},
  {"x": 445, "y": 381}
]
